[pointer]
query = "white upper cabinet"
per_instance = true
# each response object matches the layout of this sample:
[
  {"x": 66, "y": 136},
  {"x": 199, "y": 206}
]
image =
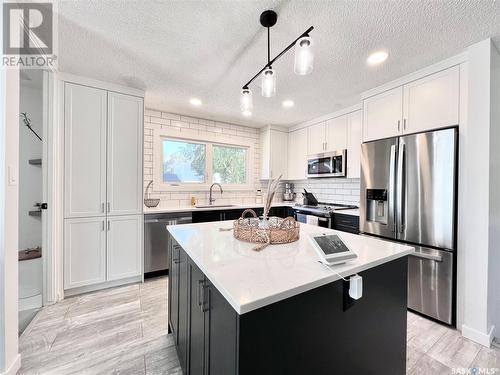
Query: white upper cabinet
[
  {"x": 124, "y": 238},
  {"x": 84, "y": 150},
  {"x": 354, "y": 130},
  {"x": 432, "y": 102},
  {"x": 316, "y": 138},
  {"x": 274, "y": 147},
  {"x": 297, "y": 154},
  {"x": 336, "y": 133},
  {"x": 124, "y": 172},
  {"x": 382, "y": 115}
]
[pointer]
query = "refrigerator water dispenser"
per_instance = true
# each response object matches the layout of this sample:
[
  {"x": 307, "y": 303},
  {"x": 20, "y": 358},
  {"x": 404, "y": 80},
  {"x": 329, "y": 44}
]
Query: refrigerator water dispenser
[{"x": 377, "y": 205}]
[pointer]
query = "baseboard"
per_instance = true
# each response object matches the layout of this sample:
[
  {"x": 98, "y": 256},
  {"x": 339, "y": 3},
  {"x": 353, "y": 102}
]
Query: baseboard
[
  {"x": 28, "y": 303},
  {"x": 100, "y": 286},
  {"x": 14, "y": 367},
  {"x": 477, "y": 336}
]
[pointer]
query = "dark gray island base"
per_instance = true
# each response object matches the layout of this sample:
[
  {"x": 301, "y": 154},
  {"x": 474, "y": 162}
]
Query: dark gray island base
[{"x": 320, "y": 332}]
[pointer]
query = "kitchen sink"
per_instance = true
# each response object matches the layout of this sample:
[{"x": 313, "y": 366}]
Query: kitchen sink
[{"x": 216, "y": 206}]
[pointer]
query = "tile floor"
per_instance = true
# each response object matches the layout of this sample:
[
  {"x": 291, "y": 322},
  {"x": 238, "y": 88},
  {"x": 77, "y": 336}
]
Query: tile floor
[{"x": 124, "y": 330}]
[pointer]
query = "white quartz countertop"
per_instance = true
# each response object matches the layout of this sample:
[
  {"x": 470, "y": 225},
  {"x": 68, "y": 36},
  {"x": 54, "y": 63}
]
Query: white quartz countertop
[
  {"x": 250, "y": 280},
  {"x": 162, "y": 210}
]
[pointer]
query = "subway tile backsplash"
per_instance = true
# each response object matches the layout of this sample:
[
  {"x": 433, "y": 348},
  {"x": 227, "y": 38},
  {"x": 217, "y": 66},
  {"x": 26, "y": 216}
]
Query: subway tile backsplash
[{"x": 331, "y": 190}]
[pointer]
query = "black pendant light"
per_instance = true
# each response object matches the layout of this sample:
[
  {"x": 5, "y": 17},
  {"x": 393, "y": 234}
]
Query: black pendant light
[{"x": 303, "y": 63}]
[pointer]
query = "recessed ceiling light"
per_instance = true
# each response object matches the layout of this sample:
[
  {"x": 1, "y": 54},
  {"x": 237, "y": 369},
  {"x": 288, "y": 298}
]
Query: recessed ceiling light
[
  {"x": 195, "y": 101},
  {"x": 377, "y": 57},
  {"x": 246, "y": 113},
  {"x": 287, "y": 103}
]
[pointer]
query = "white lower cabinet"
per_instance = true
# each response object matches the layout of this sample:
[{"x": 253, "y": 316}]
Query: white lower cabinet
[
  {"x": 124, "y": 244},
  {"x": 101, "y": 249},
  {"x": 84, "y": 251}
]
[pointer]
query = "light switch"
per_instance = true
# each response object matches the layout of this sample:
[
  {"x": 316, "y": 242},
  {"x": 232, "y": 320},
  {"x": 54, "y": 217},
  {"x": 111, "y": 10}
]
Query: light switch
[{"x": 12, "y": 175}]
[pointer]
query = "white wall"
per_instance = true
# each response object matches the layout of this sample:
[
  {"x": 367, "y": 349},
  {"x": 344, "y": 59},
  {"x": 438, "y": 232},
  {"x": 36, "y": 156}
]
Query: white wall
[
  {"x": 9, "y": 157},
  {"x": 494, "y": 224},
  {"x": 30, "y": 176}
]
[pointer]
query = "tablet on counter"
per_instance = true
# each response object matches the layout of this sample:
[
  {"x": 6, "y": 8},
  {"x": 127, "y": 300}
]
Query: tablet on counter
[{"x": 331, "y": 249}]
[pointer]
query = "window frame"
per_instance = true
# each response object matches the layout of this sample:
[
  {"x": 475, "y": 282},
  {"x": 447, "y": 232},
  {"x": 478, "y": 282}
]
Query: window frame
[{"x": 209, "y": 141}]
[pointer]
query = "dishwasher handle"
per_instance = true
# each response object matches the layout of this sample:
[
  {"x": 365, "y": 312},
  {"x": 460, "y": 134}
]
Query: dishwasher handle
[{"x": 171, "y": 221}]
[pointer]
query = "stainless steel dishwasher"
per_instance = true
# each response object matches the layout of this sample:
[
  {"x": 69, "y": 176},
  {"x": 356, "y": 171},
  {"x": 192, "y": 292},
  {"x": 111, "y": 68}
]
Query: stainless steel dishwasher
[{"x": 156, "y": 240}]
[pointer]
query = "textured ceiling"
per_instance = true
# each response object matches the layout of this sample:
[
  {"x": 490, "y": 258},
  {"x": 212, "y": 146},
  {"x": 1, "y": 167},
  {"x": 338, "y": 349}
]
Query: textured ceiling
[{"x": 175, "y": 50}]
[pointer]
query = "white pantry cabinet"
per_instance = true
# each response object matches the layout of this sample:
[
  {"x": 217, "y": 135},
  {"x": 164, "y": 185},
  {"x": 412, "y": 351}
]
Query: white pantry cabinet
[
  {"x": 84, "y": 251},
  {"x": 336, "y": 133},
  {"x": 274, "y": 147},
  {"x": 124, "y": 238},
  {"x": 103, "y": 165},
  {"x": 297, "y": 154},
  {"x": 429, "y": 103},
  {"x": 125, "y": 154},
  {"x": 100, "y": 249},
  {"x": 354, "y": 140},
  {"x": 316, "y": 138},
  {"x": 85, "y": 112}
]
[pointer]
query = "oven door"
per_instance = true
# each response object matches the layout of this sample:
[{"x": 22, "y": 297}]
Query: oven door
[
  {"x": 320, "y": 221},
  {"x": 319, "y": 167}
]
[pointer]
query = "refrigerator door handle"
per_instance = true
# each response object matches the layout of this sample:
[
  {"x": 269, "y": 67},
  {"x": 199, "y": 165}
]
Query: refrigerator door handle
[
  {"x": 401, "y": 189},
  {"x": 436, "y": 258},
  {"x": 392, "y": 195}
]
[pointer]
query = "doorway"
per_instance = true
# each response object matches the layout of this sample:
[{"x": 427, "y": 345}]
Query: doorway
[{"x": 32, "y": 166}]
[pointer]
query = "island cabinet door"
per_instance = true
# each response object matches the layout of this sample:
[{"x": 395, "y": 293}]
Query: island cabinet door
[
  {"x": 196, "y": 320},
  {"x": 221, "y": 330},
  {"x": 183, "y": 335},
  {"x": 173, "y": 289}
]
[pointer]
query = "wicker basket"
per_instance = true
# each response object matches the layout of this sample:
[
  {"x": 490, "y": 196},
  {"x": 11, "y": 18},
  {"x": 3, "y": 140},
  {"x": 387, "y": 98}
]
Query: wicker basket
[
  {"x": 151, "y": 202},
  {"x": 275, "y": 230}
]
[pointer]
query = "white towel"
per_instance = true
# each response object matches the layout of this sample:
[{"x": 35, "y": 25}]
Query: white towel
[{"x": 313, "y": 220}]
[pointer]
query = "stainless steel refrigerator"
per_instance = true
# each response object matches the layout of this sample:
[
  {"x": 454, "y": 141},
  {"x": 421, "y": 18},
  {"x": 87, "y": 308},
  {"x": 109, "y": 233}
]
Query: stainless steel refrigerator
[{"x": 408, "y": 194}]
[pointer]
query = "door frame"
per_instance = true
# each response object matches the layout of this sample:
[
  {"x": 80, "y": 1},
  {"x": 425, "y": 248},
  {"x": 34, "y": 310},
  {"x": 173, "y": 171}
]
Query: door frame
[{"x": 52, "y": 221}]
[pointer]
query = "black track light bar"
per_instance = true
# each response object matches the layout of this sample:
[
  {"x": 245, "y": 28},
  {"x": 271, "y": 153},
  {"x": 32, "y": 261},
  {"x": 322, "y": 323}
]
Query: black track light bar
[{"x": 271, "y": 62}]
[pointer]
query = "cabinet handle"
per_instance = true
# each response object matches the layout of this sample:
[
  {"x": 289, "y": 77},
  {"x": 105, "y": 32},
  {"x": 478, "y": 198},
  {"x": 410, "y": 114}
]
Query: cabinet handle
[
  {"x": 200, "y": 291},
  {"x": 109, "y": 206},
  {"x": 404, "y": 124},
  {"x": 176, "y": 248},
  {"x": 102, "y": 207},
  {"x": 206, "y": 304},
  {"x": 103, "y": 225},
  {"x": 399, "y": 125},
  {"x": 109, "y": 225}
]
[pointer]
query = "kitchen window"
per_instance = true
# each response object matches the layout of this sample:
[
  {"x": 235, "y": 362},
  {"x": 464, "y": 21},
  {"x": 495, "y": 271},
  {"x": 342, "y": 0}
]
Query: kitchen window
[{"x": 184, "y": 164}]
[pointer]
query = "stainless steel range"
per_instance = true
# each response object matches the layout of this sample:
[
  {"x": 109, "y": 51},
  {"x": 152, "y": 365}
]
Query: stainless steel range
[{"x": 320, "y": 214}]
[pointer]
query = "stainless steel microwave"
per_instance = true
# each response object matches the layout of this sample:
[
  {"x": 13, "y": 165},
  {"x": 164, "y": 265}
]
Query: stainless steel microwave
[{"x": 328, "y": 164}]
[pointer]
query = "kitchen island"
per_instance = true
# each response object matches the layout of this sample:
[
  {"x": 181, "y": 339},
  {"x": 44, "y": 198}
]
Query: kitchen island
[{"x": 233, "y": 310}]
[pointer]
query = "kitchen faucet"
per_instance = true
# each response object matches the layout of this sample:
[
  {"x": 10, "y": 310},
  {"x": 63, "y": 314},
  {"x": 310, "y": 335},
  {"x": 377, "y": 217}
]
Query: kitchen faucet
[{"x": 210, "y": 199}]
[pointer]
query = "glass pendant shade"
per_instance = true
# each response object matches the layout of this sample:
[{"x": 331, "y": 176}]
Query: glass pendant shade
[
  {"x": 246, "y": 102},
  {"x": 304, "y": 57},
  {"x": 268, "y": 83}
]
